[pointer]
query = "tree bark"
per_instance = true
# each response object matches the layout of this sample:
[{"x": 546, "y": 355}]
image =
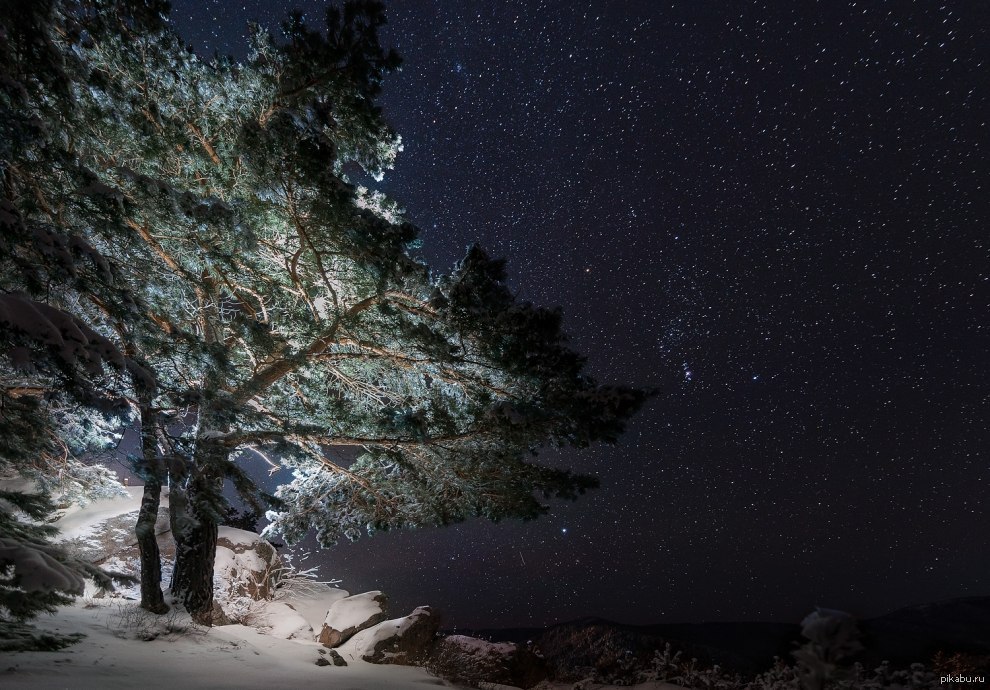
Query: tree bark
[
  {"x": 151, "y": 561},
  {"x": 192, "y": 580},
  {"x": 194, "y": 515}
]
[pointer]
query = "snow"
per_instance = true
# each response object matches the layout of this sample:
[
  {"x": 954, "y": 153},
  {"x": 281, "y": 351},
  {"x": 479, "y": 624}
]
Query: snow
[
  {"x": 34, "y": 569},
  {"x": 75, "y": 342},
  {"x": 228, "y": 561},
  {"x": 354, "y": 611},
  {"x": 238, "y": 537},
  {"x": 78, "y": 522},
  {"x": 474, "y": 645},
  {"x": 232, "y": 657},
  {"x": 313, "y": 606},
  {"x": 225, "y": 560},
  {"x": 285, "y": 622}
]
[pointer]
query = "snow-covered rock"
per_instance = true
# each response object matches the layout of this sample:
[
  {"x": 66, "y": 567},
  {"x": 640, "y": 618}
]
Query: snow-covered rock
[
  {"x": 398, "y": 641},
  {"x": 285, "y": 622},
  {"x": 313, "y": 603},
  {"x": 247, "y": 562},
  {"x": 331, "y": 657},
  {"x": 472, "y": 646},
  {"x": 350, "y": 615}
]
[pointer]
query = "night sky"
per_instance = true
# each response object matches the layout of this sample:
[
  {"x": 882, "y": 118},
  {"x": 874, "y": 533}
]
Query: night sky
[{"x": 777, "y": 213}]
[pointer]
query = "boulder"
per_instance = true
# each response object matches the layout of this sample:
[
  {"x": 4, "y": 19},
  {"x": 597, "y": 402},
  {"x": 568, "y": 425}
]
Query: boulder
[
  {"x": 285, "y": 622},
  {"x": 219, "y": 616},
  {"x": 335, "y": 658},
  {"x": 406, "y": 641},
  {"x": 468, "y": 660},
  {"x": 351, "y": 615},
  {"x": 313, "y": 602},
  {"x": 247, "y": 562}
]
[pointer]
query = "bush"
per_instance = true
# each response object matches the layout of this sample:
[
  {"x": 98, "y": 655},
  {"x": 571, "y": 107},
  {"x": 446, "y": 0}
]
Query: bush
[{"x": 128, "y": 620}]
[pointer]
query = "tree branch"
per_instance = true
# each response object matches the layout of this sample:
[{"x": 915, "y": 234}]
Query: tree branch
[
  {"x": 437, "y": 370},
  {"x": 286, "y": 365},
  {"x": 204, "y": 142},
  {"x": 321, "y": 436}
]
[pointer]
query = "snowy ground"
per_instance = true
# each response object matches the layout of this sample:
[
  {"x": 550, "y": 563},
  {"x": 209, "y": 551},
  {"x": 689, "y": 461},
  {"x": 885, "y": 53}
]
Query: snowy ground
[
  {"x": 112, "y": 656},
  {"x": 78, "y": 521},
  {"x": 127, "y": 648}
]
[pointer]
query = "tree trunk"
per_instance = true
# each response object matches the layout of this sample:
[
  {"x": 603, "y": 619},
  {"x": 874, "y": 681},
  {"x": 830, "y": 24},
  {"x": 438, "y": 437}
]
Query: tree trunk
[
  {"x": 194, "y": 506},
  {"x": 192, "y": 580},
  {"x": 151, "y": 561}
]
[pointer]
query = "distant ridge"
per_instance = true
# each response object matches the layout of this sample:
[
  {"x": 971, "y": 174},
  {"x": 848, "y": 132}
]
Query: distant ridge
[
  {"x": 903, "y": 636},
  {"x": 916, "y": 633}
]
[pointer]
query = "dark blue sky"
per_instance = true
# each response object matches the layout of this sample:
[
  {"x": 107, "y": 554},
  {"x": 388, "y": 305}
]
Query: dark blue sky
[{"x": 776, "y": 212}]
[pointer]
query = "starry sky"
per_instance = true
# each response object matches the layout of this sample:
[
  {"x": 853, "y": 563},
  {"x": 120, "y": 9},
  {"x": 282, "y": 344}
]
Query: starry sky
[{"x": 776, "y": 212}]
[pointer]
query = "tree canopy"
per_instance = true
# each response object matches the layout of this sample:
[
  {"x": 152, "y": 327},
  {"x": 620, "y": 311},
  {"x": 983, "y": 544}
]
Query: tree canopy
[{"x": 193, "y": 226}]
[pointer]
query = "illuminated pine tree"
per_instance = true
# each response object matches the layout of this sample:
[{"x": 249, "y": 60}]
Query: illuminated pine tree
[{"x": 294, "y": 320}]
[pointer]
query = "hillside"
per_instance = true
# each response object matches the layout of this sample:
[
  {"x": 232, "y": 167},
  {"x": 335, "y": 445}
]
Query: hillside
[{"x": 275, "y": 644}]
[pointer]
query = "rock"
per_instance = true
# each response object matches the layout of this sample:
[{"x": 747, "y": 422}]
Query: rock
[
  {"x": 246, "y": 561},
  {"x": 335, "y": 659},
  {"x": 351, "y": 615},
  {"x": 404, "y": 641},
  {"x": 468, "y": 660},
  {"x": 285, "y": 622},
  {"x": 219, "y": 616},
  {"x": 313, "y": 603}
]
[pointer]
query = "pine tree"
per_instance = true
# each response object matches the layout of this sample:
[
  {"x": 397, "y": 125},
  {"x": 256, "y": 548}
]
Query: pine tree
[
  {"x": 290, "y": 316},
  {"x": 63, "y": 384}
]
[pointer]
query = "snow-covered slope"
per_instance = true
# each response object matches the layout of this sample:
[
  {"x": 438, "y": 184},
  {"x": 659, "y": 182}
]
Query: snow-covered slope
[
  {"x": 79, "y": 521},
  {"x": 231, "y": 656},
  {"x": 126, "y": 647}
]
